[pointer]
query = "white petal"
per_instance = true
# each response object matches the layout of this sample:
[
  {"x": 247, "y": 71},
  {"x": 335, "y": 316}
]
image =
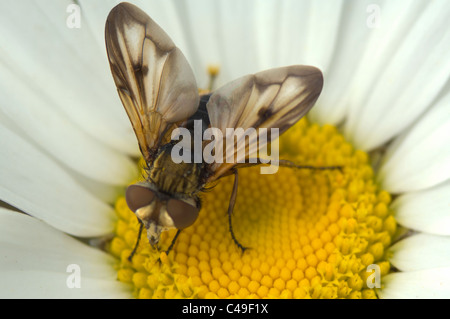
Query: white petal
[
  {"x": 33, "y": 115},
  {"x": 191, "y": 25},
  {"x": 36, "y": 257},
  {"x": 319, "y": 39},
  {"x": 425, "y": 211},
  {"x": 43, "y": 80},
  {"x": 94, "y": 17},
  {"x": 236, "y": 34},
  {"x": 420, "y": 157},
  {"x": 402, "y": 73},
  {"x": 350, "y": 42},
  {"x": 65, "y": 67},
  {"x": 194, "y": 27},
  {"x": 162, "y": 12},
  {"x": 220, "y": 32},
  {"x": 36, "y": 184},
  {"x": 293, "y": 32},
  {"x": 421, "y": 251},
  {"x": 105, "y": 192},
  {"x": 426, "y": 284}
]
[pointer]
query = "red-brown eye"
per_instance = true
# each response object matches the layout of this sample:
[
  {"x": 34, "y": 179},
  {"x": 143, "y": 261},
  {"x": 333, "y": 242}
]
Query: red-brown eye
[
  {"x": 182, "y": 214},
  {"x": 138, "y": 196}
]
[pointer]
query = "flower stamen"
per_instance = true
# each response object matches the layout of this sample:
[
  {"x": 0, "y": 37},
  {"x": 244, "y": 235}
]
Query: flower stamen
[{"x": 312, "y": 233}]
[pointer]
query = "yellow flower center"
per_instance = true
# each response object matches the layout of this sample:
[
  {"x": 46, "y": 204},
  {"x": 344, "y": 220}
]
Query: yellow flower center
[{"x": 311, "y": 234}]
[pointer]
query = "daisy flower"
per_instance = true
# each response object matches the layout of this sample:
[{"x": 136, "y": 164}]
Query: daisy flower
[{"x": 377, "y": 229}]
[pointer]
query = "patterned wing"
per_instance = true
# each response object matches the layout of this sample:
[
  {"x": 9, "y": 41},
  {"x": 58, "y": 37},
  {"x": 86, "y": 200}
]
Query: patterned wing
[
  {"x": 275, "y": 98},
  {"x": 155, "y": 82}
]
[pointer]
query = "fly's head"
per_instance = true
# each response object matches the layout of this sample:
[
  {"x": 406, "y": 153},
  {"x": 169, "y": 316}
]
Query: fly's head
[{"x": 158, "y": 211}]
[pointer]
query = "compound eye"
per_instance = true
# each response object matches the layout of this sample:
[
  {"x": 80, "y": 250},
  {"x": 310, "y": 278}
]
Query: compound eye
[
  {"x": 183, "y": 214},
  {"x": 138, "y": 196}
]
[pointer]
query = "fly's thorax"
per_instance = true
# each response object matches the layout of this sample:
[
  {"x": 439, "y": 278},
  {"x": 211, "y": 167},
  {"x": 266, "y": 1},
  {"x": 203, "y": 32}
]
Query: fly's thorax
[{"x": 175, "y": 178}]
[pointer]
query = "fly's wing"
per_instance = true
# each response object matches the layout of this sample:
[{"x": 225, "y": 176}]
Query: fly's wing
[
  {"x": 155, "y": 82},
  {"x": 275, "y": 98}
]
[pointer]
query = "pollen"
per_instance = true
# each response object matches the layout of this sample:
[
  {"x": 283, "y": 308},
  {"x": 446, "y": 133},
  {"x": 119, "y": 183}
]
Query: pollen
[
  {"x": 310, "y": 233},
  {"x": 213, "y": 69}
]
